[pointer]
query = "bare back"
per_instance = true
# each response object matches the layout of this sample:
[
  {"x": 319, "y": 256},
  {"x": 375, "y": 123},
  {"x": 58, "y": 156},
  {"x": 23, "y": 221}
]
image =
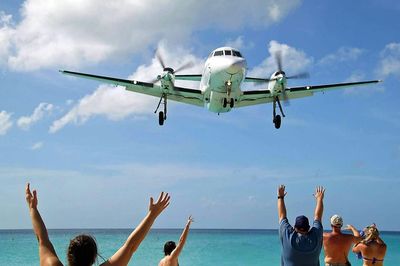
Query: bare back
[
  {"x": 169, "y": 261},
  {"x": 337, "y": 247},
  {"x": 372, "y": 254}
]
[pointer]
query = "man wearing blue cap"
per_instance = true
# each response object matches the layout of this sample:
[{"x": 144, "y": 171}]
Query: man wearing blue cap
[{"x": 301, "y": 245}]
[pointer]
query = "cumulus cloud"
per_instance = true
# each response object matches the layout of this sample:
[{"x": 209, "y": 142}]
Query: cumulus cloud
[
  {"x": 341, "y": 55},
  {"x": 37, "y": 146},
  {"x": 25, "y": 122},
  {"x": 115, "y": 103},
  {"x": 293, "y": 60},
  {"x": 239, "y": 43},
  {"x": 390, "y": 61},
  {"x": 6, "y": 34},
  {"x": 5, "y": 122},
  {"x": 71, "y": 32}
]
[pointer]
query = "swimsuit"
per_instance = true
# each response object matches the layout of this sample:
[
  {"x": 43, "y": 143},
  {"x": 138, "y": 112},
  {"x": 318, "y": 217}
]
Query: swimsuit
[{"x": 374, "y": 260}]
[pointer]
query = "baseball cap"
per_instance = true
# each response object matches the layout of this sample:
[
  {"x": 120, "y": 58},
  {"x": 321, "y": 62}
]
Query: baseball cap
[
  {"x": 336, "y": 221},
  {"x": 302, "y": 223}
]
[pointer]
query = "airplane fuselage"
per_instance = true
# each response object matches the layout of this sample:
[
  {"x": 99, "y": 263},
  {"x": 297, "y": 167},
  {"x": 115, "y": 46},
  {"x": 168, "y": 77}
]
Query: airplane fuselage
[{"x": 224, "y": 71}]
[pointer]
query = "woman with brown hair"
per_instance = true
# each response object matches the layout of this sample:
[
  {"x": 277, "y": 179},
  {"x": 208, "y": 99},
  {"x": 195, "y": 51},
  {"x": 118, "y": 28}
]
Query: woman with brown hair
[{"x": 82, "y": 250}]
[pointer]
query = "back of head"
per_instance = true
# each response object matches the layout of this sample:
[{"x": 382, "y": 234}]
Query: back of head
[
  {"x": 169, "y": 247},
  {"x": 336, "y": 221},
  {"x": 371, "y": 234},
  {"x": 82, "y": 251},
  {"x": 302, "y": 224}
]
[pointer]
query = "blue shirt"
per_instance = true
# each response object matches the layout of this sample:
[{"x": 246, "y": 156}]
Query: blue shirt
[{"x": 299, "y": 249}]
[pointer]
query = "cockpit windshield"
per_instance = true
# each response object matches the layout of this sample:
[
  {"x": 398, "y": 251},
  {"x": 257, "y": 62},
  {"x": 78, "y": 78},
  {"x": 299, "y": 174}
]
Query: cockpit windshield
[{"x": 227, "y": 53}]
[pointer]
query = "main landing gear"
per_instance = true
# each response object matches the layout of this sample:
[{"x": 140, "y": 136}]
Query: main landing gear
[
  {"x": 277, "y": 118},
  {"x": 162, "y": 115}
]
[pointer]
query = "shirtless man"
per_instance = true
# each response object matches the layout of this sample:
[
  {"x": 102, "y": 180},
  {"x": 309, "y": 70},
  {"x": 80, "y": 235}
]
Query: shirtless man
[
  {"x": 371, "y": 249},
  {"x": 337, "y": 245},
  {"x": 172, "y": 251}
]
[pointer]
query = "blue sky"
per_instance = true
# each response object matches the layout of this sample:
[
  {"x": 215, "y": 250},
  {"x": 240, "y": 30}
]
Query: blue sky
[{"x": 96, "y": 153}]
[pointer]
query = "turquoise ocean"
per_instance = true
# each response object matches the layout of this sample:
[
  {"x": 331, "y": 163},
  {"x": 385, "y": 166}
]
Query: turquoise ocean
[{"x": 203, "y": 247}]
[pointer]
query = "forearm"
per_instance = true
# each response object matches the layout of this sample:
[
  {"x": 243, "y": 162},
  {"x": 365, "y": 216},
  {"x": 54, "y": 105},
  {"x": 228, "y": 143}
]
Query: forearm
[
  {"x": 319, "y": 209},
  {"x": 281, "y": 208},
  {"x": 124, "y": 254},
  {"x": 354, "y": 231},
  {"x": 38, "y": 225}
]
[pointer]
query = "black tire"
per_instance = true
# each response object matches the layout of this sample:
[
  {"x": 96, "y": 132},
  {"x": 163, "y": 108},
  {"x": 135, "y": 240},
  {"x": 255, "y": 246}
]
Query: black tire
[
  {"x": 232, "y": 103},
  {"x": 161, "y": 118},
  {"x": 224, "y": 103},
  {"x": 277, "y": 121}
]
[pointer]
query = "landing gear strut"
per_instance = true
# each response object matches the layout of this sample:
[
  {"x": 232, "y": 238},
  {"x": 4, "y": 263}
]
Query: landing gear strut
[
  {"x": 162, "y": 115},
  {"x": 277, "y": 118},
  {"x": 228, "y": 98}
]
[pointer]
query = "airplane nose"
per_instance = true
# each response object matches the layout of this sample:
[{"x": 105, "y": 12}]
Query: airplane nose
[{"x": 235, "y": 67}]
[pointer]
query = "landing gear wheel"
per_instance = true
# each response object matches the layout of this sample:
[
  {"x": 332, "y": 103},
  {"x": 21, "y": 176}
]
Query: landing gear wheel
[
  {"x": 277, "y": 121},
  {"x": 232, "y": 103},
  {"x": 161, "y": 118},
  {"x": 224, "y": 103}
]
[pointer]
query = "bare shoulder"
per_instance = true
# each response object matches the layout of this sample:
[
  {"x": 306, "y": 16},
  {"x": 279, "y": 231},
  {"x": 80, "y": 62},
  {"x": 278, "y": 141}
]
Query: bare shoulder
[{"x": 52, "y": 261}]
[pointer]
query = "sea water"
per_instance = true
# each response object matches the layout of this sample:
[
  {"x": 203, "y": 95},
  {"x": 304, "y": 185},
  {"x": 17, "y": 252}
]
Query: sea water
[{"x": 203, "y": 246}]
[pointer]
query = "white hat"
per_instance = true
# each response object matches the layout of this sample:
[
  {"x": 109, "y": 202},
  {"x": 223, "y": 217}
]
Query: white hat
[{"x": 336, "y": 220}]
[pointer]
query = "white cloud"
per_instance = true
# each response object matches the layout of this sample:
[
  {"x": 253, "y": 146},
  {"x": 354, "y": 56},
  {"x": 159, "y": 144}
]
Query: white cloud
[
  {"x": 390, "y": 61},
  {"x": 71, "y": 32},
  {"x": 239, "y": 43},
  {"x": 25, "y": 122},
  {"x": 293, "y": 60},
  {"x": 115, "y": 103},
  {"x": 342, "y": 54},
  {"x": 6, "y": 34},
  {"x": 5, "y": 122},
  {"x": 37, "y": 146}
]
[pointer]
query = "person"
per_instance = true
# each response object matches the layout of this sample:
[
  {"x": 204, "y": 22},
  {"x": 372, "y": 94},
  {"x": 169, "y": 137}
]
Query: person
[
  {"x": 337, "y": 245},
  {"x": 82, "y": 250},
  {"x": 371, "y": 249},
  {"x": 172, "y": 251},
  {"x": 301, "y": 245}
]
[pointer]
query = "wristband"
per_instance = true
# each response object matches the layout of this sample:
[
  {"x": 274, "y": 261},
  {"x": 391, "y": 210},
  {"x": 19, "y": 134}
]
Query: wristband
[{"x": 281, "y": 197}]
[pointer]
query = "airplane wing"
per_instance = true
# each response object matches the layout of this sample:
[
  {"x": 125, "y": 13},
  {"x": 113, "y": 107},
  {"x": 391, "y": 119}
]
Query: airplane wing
[
  {"x": 195, "y": 77},
  {"x": 254, "y": 97},
  {"x": 179, "y": 94}
]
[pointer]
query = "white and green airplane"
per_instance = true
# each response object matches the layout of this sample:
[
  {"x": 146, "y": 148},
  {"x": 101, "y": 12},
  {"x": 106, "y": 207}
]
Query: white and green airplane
[{"x": 220, "y": 85}]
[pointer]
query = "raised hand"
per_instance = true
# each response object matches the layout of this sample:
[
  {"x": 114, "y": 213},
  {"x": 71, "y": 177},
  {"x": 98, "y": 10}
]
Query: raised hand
[
  {"x": 31, "y": 199},
  {"x": 160, "y": 205},
  {"x": 281, "y": 191},
  {"x": 319, "y": 192},
  {"x": 190, "y": 219}
]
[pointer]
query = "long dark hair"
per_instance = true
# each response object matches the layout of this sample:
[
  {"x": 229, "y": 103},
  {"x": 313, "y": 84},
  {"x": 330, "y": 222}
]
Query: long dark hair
[{"x": 82, "y": 251}]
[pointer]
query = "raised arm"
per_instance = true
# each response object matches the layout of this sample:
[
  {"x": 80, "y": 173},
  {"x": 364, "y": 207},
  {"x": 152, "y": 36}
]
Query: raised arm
[
  {"x": 124, "y": 254},
  {"x": 319, "y": 207},
  {"x": 47, "y": 254},
  {"x": 356, "y": 234},
  {"x": 281, "y": 203},
  {"x": 175, "y": 253}
]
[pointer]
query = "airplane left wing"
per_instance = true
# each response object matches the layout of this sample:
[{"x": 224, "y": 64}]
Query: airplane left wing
[
  {"x": 254, "y": 97},
  {"x": 180, "y": 94}
]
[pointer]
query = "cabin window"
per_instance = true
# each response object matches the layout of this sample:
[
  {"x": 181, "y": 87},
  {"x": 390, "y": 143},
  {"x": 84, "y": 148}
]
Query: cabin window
[
  {"x": 219, "y": 53},
  {"x": 228, "y": 52}
]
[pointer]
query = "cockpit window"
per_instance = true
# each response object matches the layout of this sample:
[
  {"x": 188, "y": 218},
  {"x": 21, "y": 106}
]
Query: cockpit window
[
  {"x": 228, "y": 52},
  {"x": 236, "y": 53},
  {"x": 218, "y": 53}
]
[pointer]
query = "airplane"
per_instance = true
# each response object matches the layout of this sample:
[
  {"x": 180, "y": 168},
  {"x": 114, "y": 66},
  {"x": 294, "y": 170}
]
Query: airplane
[{"x": 220, "y": 85}]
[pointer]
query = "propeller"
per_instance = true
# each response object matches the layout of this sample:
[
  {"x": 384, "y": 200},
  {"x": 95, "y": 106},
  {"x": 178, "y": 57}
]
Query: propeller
[
  {"x": 302, "y": 75},
  {"x": 169, "y": 69}
]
